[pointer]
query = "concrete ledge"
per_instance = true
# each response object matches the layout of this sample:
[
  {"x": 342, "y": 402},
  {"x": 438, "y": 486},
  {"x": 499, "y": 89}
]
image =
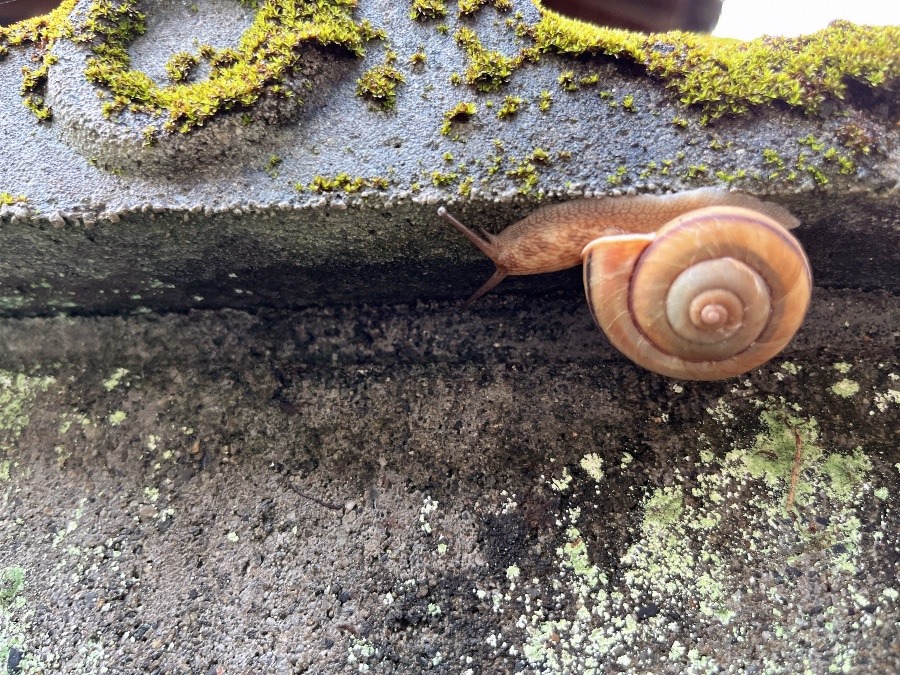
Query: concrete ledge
[
  {"x": 213, "y": 218},
  {"x": 405, "y": 489}
]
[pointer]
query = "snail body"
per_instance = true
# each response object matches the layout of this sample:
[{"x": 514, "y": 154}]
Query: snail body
[{"x": 700, "y": 285}]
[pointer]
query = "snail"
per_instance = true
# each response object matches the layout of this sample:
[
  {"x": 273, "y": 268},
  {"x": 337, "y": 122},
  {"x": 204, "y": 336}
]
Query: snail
[{"x": 698, "y": 285}]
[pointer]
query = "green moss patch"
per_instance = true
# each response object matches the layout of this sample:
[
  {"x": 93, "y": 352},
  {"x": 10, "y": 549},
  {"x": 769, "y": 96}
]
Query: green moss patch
[
  {"x": 268, "y": 50},
  {"x": 727, "y": 76},
  {"x": 7, "y": 199},
  {"x": 343, "y": 182},
  {"x": 378, "y": 85},
  {"x": 487, "y": 69},
  {"x": 469, "y": 7},
  {"x": 461, "y": 112},
  {"x": 427, "y": 9}
]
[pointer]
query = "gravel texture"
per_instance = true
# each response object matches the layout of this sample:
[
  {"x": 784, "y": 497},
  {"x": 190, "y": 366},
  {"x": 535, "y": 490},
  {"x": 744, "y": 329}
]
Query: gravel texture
[
  {"x": 215, "y": 458},
  {"x": 411, "y": 488}
]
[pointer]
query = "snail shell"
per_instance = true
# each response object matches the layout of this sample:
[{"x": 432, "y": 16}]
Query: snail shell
[
  {"x": 699, "y": 285},
  {"x": 714, "y": 293}
]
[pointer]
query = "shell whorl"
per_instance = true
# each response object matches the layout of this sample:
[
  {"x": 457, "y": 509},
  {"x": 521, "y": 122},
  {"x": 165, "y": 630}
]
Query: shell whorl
[{"x": 714, "y": 293}]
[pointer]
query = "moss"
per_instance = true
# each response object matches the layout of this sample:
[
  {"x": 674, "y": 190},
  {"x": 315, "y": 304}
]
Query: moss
[
  {"x": 427, "y": 9},
  {"x": 41, "y": 32},
  {"x": 487, "y": 69},
  {"x": 527, "y": 175},
  {"x": 469, "y": 7},
  {"x": 343, "y": 182},
  {"x": 510, "y": 107},
  {"x": 180, "y": 66},
  {"x": 545, "y": 100},
  {"x": 12, "y": 583},
  {"x": 695, "y": 171},
  {"x": 461, "y": 112},
  {"x": 7, "y": 199},
  {"x": 729, "y": 177},
  {"x": 618, "y": 176},
  {"x": 271, "y": 47},
  {"x": 272, "y": 165},
  {"x": 418, "y": 57},
  {"x": 726, "y": 76},
  {"x": 628, "y": 103},
  {"x": 567, "y": 80},
  {"x": 439, "y": 179},
  {"x": 378, "y": 85}
]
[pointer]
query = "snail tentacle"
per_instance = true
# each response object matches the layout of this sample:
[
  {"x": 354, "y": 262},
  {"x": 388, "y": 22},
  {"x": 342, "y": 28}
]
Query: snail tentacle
[
  {"x": 703, "y": 285},
  {"x": 488, "y": 246}
]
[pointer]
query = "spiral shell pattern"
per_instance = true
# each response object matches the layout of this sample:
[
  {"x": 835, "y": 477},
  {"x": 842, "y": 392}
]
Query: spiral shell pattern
[{"x": 712, "y": 294}]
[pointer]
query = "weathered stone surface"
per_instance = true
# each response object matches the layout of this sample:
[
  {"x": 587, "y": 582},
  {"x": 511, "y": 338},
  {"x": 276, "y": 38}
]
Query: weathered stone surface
[
  {"x": 400, "y": 488},
  {"x": 209, "y": 219},
  {"x": 403, "y": 490}
]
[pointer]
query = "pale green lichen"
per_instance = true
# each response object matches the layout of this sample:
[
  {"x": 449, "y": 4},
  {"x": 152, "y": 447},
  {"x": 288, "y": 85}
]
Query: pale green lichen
[
  {"x": 845, "y": 388},
  {"x": 115, "y": 379},
  {"x": 17, "y": 393},
  {"x": 117, "y": 417},
  {"x": 592, "y": 463},
  {"x": 180, "y": 66},
  {"x": 686, "y": 548},
  {"x": 510, "y": 106}
]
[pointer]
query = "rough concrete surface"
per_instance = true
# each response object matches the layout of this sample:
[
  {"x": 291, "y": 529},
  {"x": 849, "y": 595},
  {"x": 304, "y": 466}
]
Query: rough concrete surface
[
  {"x": 215, "y": 459},
  {"x": 205, "y": 220},
  {"x": 412, "y": 488}
]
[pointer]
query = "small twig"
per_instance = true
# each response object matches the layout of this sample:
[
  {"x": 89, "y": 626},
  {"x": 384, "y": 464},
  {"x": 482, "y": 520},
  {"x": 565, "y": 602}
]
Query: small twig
[
  {"x": 795, "y": 469},
  {"x": 315, "y": 500}
]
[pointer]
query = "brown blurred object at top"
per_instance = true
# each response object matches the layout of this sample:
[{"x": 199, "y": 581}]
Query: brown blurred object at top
[
  {"x": 17, "y": 10},
  {"x": 643, "y": 15}
]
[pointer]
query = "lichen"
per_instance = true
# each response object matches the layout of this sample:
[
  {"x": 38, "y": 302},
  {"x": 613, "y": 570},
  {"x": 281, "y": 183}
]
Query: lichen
[
  {"x": 845, "y": 388},
  {"x": 726, "y": 514}
]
